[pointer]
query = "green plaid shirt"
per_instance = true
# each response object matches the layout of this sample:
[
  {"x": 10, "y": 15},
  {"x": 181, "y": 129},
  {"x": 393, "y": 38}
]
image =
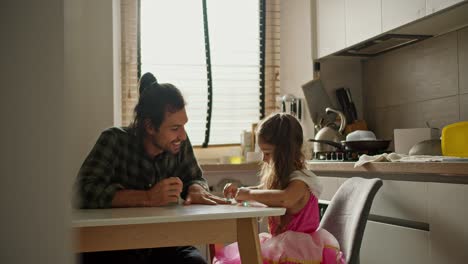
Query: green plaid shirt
[{"x": 118, "y": 161}]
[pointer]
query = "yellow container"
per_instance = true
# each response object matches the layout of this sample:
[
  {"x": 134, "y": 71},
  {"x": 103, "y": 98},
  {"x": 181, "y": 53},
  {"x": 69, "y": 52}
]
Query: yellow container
[{"x": 455, "y": 140}]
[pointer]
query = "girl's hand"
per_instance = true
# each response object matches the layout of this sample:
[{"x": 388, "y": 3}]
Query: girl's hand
[
  {"x": 242, "y": 194},
  {"x": 230, "y": 190}
]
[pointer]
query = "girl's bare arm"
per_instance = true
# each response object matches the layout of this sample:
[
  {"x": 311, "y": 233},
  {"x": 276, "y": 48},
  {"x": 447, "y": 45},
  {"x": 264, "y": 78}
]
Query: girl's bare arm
[{"x": 286, "y": 198}]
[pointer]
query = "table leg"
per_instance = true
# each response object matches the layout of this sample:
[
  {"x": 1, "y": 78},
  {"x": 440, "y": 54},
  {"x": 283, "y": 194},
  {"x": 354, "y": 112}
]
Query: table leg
[{"x": 247, "y": 237}]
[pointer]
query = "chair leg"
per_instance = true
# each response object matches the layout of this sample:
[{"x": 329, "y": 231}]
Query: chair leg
[{"x": 212, "y": 252}]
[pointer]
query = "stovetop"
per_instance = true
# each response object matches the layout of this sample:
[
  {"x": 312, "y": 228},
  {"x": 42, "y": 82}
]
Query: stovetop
[{"x": 341, "y": 156}]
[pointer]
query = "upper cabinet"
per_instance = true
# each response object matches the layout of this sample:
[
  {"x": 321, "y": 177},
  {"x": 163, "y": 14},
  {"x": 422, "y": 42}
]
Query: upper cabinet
[
  {"x": 330, "y": 23},
  {"x": 343, "y": 25},
  {"x": 363, "y": 20},
  {"x": 436, "y": 5},
  {"x": 396, "y": 13}
]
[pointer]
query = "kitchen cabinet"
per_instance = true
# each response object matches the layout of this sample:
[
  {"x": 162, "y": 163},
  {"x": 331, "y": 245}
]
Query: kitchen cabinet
[
  {"x": 330, "y": 15},
  {"x": 383, "y": 242},
  {"x": 341, "y": 24},
  {"x": 363, "y": 20},
  {"x": 396, "y": 13},
  {"x": 448, "y": 217},
  {"x": 402, "y": 200},
  {"x": 419, "y": 219},
  {"x": 433, "y": 6},
  {"x": 329, "y": 186},
  {"x": 388, "y": 244}
]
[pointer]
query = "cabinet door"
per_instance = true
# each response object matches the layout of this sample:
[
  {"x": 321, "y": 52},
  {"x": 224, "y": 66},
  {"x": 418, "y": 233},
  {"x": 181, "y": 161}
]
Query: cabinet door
[
  {"x": 330, "y": 26},
  {"x": 389, "y": 244},
  {"x": 402, "y": 199},
  {"x": 363, "y": 20},
  {"x": 448, "y": 218},
  {"x": 436, "y": 5},
  {"x": 396, "y": 13},
  {"x": 329, "y": 186}
]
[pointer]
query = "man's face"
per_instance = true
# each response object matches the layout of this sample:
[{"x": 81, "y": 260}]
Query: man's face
[{"x": 171, "y": 133}]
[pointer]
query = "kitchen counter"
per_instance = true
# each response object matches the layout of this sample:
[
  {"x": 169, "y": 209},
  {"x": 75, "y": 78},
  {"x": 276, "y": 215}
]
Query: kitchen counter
[
  {"x": 436, "y": 168},
  {"x": 448, "y": 172}
]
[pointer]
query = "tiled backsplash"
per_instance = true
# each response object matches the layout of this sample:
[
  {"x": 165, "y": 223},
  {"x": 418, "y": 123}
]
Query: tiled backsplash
[{"x": 424, "y": 82}]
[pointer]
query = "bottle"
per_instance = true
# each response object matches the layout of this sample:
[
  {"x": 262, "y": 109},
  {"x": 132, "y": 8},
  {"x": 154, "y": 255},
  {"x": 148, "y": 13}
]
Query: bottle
[{"x": 246, "y": 142}]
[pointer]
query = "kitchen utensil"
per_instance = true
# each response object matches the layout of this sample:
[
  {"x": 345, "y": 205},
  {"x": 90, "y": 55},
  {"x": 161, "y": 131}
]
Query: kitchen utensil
[
  {"x": 317, "y": 101},
  {"x": 352, "y": 107},
  {"x": 343, "y": 96},
  {"x": 329, "y": 133},
  {"x": 357, "y": 125},
  {"x": 367, "y": 145},
  {"x": 358, "y": 145},
  {"x": 292, "y": 105},
  {"x": 427, "y": 147},
  {"x": 455, "y": 140},
  {"x": 320, "y": 145},
  {"x": 360, "y": 135}
]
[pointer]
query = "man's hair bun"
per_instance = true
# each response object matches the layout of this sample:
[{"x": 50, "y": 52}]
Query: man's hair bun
[{"x": 146, "y": 81}]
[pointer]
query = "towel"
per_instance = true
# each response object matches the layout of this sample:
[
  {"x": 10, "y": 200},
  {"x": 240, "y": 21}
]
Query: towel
[{"x": 394, "y": 157}]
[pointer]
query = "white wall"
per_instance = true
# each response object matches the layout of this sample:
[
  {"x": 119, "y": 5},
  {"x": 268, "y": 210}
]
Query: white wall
[
  {"x": 296, "y": 53},
  {"x": 92, "y": 73},
  {"x": 57, "y": 86},
  {"x": 35, "y": 214}
]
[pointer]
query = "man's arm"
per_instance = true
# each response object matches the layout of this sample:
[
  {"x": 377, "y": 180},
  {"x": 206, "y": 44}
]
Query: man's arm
[
  {"x": 189, "y": 171},
  {"x": 130, "y": 198},
  {"x": 195, "y": 188},
  {"x": 164, "y": 192},
  {"x": 93, "y": 187}
]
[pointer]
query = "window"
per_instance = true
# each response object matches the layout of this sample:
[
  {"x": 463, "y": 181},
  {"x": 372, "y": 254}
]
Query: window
[{"x": 226, "y": 62}]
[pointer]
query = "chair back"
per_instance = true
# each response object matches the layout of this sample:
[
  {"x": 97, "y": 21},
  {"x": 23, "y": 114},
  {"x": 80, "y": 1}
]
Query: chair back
[{"x": 346, "y": 215}]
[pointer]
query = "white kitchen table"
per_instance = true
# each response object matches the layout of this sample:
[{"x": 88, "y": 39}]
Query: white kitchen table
[{"x": 177, "y": 225}]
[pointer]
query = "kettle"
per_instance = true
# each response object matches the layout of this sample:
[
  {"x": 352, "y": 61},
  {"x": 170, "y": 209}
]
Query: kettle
[{"x": 329, "y": 133}]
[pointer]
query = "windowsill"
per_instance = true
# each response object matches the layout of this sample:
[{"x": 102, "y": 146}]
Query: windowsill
[
  {"x": 230, "y": 167},
  {"x": 216, "y": 155}
]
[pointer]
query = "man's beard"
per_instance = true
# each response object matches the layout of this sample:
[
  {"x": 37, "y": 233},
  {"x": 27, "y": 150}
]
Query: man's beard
[
  {"x": 164, "y": 149},
  {"x": 157, "y": 145}
]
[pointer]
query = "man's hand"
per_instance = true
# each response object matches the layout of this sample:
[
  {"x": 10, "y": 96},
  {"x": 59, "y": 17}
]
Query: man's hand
[
  {"x": 198, "y": 195},
  {"x": 164, "y": 192}
]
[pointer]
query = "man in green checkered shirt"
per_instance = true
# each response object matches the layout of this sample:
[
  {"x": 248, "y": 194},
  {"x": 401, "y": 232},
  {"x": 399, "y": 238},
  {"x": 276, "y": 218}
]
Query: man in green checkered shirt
[{"x": 150, "y": 163}]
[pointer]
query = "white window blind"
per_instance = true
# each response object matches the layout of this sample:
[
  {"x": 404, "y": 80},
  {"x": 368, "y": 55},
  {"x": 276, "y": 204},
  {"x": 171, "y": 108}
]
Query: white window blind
[
  {"x": 180, "y": 74},
  {"x": 172, "y": 42}
]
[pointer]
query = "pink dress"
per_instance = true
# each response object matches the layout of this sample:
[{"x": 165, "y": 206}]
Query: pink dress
[{"x": 300, "y": 242}]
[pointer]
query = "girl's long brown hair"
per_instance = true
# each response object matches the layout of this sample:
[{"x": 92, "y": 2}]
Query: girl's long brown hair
[{"x": 284, "y": 132}]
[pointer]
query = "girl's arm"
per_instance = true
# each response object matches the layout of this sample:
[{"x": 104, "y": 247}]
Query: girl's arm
[
  {"x": 286, "y": 198},
  {"x": 230, "y": 189},
  {"x": 256, "y": 187}
]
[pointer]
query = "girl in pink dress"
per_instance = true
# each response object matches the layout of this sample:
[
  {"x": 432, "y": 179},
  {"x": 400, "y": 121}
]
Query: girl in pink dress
[{"x": 285, "y": 182}]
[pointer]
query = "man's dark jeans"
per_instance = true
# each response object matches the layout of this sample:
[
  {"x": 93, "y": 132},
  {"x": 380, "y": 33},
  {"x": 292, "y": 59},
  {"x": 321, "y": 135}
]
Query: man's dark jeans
[{"x": 176, "y": 255}]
